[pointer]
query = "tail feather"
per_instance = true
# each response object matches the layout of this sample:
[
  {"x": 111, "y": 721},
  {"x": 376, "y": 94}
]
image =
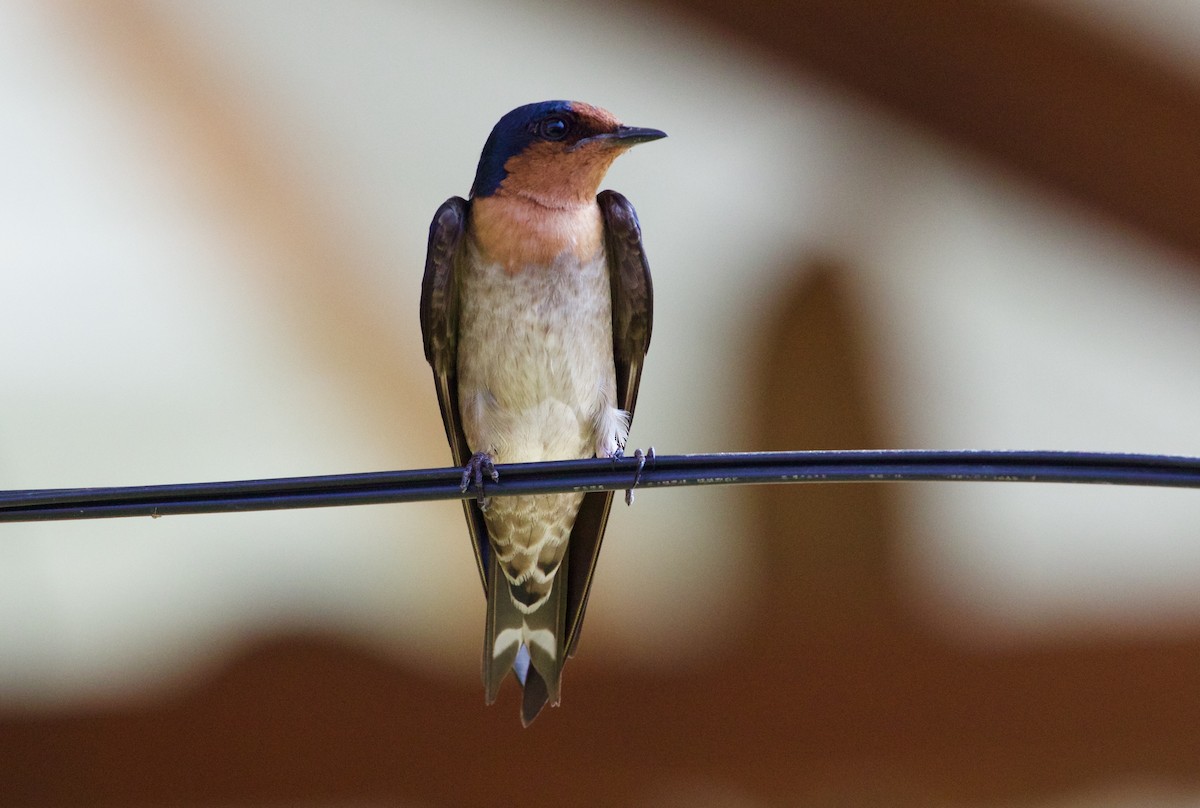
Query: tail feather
[
  {"x": 500, "y": 646},
  {"x": 530, "y": 643},
  {"x": 536, "y": 694}
]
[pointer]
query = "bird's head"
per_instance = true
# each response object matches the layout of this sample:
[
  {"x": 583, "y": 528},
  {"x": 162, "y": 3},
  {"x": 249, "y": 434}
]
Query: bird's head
[{"x": 553, "y": 153}]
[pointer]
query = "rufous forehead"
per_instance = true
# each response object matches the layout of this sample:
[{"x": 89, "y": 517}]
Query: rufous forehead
[{"x": 600, "y": 120}]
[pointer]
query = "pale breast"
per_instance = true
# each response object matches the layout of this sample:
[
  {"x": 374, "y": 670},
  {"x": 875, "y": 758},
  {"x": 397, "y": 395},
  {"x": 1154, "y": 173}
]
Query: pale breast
[{"x": 535, "y": 356}]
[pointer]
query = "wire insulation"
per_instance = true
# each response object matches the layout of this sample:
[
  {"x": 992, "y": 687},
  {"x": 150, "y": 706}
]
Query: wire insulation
[{"x": 598, "y": 475}]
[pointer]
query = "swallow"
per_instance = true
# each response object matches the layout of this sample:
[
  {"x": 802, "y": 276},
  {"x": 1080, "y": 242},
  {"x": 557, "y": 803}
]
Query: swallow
[{"x": 536, "y": 308}]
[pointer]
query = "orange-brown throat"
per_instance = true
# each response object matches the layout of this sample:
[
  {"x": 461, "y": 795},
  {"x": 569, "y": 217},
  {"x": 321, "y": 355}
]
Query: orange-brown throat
[
  {"x": 517, "y": 232},
  {"x": 556, "y": 175}
]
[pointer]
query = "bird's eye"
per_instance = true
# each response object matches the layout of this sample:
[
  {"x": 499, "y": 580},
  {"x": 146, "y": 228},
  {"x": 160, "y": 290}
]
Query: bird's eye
[{"x": 553, "y": 128}]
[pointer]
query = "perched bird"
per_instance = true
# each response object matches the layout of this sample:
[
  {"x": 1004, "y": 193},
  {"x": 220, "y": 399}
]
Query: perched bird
[{"x": 535, "y": 314}]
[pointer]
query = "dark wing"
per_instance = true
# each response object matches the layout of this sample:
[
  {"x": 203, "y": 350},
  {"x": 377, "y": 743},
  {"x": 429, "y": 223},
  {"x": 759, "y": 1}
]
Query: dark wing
[
  {"x": 632, "y": 313},
  {"x": 439, "y": 330},
  {"x": 632, "y": 294}
]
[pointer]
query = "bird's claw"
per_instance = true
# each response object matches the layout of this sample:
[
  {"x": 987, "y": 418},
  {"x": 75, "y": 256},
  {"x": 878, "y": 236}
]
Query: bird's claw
[
  {"x": 641, "y": 458},
  {"x": 472, "y": 477}
]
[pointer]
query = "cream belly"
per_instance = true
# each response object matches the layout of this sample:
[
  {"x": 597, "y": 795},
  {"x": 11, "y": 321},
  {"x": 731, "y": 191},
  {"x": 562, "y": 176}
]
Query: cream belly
[{"x": 536, "y": 378}]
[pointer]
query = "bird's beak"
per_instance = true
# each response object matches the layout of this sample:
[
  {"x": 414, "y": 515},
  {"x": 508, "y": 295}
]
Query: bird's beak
[
  {"x": 637, "y": 134},
  {"x": 624, "y": 136}
]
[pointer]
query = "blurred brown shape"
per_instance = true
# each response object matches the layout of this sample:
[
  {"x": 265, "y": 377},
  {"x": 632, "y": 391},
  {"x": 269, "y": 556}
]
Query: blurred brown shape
[
  {"x": 1036, "y": 92},
  {"x": 331, "y": 316},
  {"x": 815, "y": 394}
]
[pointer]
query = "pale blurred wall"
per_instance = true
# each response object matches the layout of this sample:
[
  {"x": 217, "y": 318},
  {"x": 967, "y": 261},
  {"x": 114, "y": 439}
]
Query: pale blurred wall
[{"x": 212, "y": 236}]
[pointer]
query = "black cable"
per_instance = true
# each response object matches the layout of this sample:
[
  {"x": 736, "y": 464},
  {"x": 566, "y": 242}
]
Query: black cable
[{"x": 596, "y": 475}]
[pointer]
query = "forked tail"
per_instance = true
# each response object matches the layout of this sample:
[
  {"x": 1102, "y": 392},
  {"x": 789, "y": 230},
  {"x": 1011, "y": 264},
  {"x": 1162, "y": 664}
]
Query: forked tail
[{"x": 529, "y": 641}]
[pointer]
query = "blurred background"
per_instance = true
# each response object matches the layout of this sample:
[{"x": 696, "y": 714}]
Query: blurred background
[{"x": 936, "y": 224}]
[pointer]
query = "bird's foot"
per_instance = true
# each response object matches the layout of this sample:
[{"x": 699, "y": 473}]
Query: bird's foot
[
  {"x": 641, "y": 458},
  {"x": 479, "y": 465}
]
